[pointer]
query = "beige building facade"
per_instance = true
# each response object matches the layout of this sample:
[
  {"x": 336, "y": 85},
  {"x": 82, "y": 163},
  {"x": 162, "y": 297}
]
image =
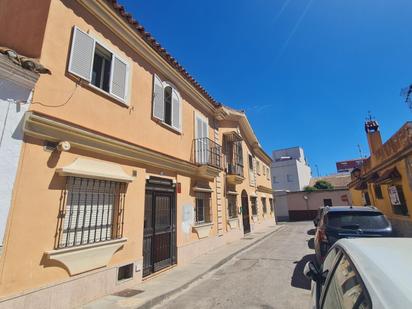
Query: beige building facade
[
  {"x": 385, "y": 178},
  {"x": 127, "y": 167}
]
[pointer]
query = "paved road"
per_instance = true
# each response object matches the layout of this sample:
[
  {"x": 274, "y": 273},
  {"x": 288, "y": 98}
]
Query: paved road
[{"x": 269, "y": 275}]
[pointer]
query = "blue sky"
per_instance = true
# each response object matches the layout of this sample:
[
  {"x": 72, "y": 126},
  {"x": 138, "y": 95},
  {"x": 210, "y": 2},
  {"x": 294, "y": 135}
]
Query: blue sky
[{"x": 306, "y": 71}]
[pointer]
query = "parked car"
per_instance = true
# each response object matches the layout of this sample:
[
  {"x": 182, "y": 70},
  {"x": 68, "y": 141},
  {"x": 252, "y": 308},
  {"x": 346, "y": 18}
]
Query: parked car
[
  {"x": 363, "y": 273},
  {"x": 348, "y": 221},
  {"x": 318, "y": 216}
]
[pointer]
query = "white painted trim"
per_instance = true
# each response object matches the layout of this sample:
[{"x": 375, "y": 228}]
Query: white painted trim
[
  {"x": 126, "y": 100},
  {"x": 16, "y": 74},
  {"x": 80, "y": 259},
  {"x": 203, "y": 229},
  {"x": 232, "y": 193},
  {"x": 95, "y": 169},
  {"x": 233, "y": 223},
  {"x": 200, "y": 189}
]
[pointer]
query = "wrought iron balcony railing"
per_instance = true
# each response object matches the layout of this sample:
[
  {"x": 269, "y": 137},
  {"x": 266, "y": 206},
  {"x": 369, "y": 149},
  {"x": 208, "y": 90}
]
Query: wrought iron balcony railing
[
  {"x": 207, "y": 152},
  {"x": 235, "y": 169}
]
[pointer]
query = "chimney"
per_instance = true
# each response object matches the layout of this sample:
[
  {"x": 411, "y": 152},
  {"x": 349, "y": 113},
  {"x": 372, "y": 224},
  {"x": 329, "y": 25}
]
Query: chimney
[{"x": 373, "y": 134}]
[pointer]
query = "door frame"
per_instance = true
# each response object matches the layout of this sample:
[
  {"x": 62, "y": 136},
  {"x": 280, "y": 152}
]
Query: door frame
[
  {"x": 245, "y": 212},
  {"x": 157, "y": 186}
]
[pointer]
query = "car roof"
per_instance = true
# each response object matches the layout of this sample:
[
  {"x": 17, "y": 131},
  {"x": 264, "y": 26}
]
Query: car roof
[
  {"x": 385, "y": 267},
  {"x": 351, "y": 208}
]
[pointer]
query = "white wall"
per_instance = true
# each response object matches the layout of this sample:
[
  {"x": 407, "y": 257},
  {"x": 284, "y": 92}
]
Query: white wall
[
  {"x": 296, "y": 167},
  {"x": 280, "y": 170},
  {"x": 304, "y": 174},
  {"x": 11, "y": 114},
  {"x": 281, "y": 206},
  {"x": 314, "y": 200}
]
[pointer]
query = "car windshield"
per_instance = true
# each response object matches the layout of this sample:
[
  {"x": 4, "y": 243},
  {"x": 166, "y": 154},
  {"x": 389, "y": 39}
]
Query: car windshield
[{"x": 357, "y": 220}]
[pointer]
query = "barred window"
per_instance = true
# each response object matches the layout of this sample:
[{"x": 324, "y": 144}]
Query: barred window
[
  {"x": 264, "y": 208},
  {"x": 271, "y": 205},
  {"x": 253, "y": 204},
  {"x": 231, "y": 206},
  {"x": 93, "y": 212},
  {"x": 203, "y": 209},
  {"x": 378, "y": 191}
]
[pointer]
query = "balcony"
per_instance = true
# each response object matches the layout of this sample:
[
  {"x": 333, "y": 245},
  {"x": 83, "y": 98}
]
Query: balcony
[
  {"x": 234, "y": 174},
  {"x": 232, "y": 149},
  {"x": 208, "y": 156}
]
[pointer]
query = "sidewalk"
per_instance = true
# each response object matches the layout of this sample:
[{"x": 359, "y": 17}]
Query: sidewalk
[{"x": 155, "y": 290}]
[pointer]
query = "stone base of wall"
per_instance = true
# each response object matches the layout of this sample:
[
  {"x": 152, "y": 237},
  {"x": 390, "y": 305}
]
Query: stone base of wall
[
  {"x": 196, "y": 248},
  {"x": 282, "y": 218},
  {"x": 73, "y": 292},
  {"x": 302, "y": 215},
  {"x": 87, "y": 287},
  {"x": 401, "y": 228}
]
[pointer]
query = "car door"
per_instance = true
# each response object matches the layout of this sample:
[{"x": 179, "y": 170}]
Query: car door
[
  {"x": 343, "y": 286},
  {"x": 326, "y": 268}
]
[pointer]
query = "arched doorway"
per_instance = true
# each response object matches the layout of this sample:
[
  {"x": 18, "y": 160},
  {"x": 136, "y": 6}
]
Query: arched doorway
[{"x": 245, "y": 212}]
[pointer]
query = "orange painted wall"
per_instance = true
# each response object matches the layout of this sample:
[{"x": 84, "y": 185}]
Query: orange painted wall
[
  {"x": 33, "y": 217},
  {"x": 91, "y": 108},
  {"x": 16, "y": 17}
]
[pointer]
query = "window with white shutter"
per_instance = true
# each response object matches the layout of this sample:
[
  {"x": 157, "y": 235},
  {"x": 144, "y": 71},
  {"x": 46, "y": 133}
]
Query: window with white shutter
[
  {"x": 176, "y": 110},
  {"x": 94, "y": 63},
  {"x": 158, "y": 101},
  {"x": 167, "y": 106},
  {"x": 119, "y": 78},
  {"x": 81, "y": 54}
]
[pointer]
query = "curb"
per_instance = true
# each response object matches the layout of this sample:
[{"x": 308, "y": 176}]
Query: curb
[{"x": 158, "y": 299}]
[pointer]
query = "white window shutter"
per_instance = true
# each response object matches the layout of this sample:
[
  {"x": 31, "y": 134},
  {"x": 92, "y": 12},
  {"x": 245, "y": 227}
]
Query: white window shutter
[
  {"x": 81, "y": 54},
  {"x": 118, "y": 85},
  {"x": 158, "y": 101},
  {"x": 176, "y": 110}
]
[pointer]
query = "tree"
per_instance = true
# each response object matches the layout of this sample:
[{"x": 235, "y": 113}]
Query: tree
[
  {"x": 323, "y": 185},
  {"x": 309, "y": 189}
]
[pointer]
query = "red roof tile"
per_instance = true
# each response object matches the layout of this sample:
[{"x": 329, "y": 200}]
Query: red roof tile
[{"x": 147, "y": 36}]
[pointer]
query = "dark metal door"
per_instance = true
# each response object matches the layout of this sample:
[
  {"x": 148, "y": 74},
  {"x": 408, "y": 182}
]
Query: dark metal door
[
  {"x": 159, "y": 242},
  {"x": 245, "y": 213}
]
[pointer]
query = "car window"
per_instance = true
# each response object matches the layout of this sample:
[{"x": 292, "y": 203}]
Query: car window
[
  {"x": 330, "y": 259},
  {"x": 345, "y": 289},
  {"x": 357, "y": 220}
]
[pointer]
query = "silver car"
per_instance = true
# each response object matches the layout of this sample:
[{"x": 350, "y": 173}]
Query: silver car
[{"x": 364, "y": 273}]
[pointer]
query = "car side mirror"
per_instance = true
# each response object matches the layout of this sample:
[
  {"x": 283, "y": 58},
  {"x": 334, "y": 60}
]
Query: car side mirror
[{"x": 311, "y": 271}]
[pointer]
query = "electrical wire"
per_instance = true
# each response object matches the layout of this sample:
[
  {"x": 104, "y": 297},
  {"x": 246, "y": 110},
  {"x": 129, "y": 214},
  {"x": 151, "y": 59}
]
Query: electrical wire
[{"x": 65, "y": 102}]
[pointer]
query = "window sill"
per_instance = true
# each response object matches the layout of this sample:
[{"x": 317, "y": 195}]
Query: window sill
[
  {"x": 167, "y": 126},
  {"x": 92, "y": 87},
  {"x": 202, "y": 229},
  {"x": 80, "y": 259},
  {"x": 233, "y": 223}
]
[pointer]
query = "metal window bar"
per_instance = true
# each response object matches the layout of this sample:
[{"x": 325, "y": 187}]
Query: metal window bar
[
  {"x": 203, "y": 211},
  {"x": 234, "y": 157},
  {"x": 264, "y": 208},
  {"x": 93, "y": 211},
  {"x": 207, "y": 152},
  {"x": 253, "y": 202},
  {"x": 231, "y": 203}
]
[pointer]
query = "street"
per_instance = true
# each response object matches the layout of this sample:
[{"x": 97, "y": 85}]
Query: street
[{"x": 269, "y": 275}]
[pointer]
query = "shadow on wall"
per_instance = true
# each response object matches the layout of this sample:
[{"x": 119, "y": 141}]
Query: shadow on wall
[{"x": 298, "y": 278}]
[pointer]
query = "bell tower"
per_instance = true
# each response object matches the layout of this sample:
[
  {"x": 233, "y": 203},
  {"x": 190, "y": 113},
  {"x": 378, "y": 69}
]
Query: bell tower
[{"x": 373, "y": 134}]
